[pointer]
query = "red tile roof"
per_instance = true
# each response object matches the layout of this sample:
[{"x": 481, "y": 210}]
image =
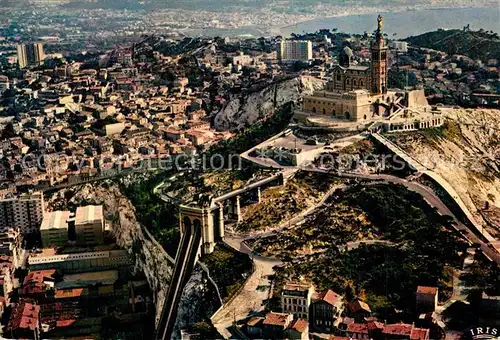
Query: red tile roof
[
  {"x": 297, "y": 286},
  {"x": 427, "y": 290},
  {"x": 419, "y": 334},
  {"x": 24, "y": 315},
  {"x": 359, "y": 305},
  {"x": 348, "y": 321},
  {"x": 33, "y": 288},
  {"x": 398, "y": 329},
  {"x": 375, "y": 325},
  {"x": 328, "y": 296},
  {"x": 358, "y": 328},
  {"x": 27, "y": 322},
  {"x": 254, "y": 321},
  {"x": 65, "y": 323},
  {"x": 70, "y": 293},
  {"x": 300, "y": 325},
  {"x": 39, "y": 276},
  {"x": 276, "y": 319},
  {"x": 31, "y": 310},
  {"x": 34, "y": 282}
]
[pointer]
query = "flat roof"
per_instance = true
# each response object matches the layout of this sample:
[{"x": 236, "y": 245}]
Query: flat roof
[
  {"x": 49, "y": 256},
  {"x": 81, "y": 280},
  {"x": 55, "y": 220},
  {"x": 88, "y": 214}
]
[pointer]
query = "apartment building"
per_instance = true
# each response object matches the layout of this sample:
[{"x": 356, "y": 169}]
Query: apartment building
[
  {"x": 114, "y": 129},
  {"x": 24, "y": 322},
  {"x": 296, "y": 299},
  {"x": 427, "y": 298},
  {"x": 89, "y": 225},
  {"x": 275, "y": 324},
  {"x": 399, "y": 46},
  {"x": 6, "y": 278},
  {"x": 325, "y": 310},
  {"x": 30, "y": 55},
  {"x": 10, "y": 245},
  {"x": 54, "y": 228},
  {"x": 295, "y": 50},
  {"x": 24, "y": 213}
]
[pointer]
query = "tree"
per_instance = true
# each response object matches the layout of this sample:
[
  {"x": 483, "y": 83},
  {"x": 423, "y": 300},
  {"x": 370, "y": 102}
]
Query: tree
[
  {"x": 8, "y": 131},
  {"x": 204, "y": 330},
  {"x": 350, "y": 292}
]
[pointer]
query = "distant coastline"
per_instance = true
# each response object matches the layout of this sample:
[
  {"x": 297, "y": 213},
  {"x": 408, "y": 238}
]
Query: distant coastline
[
  {"x": 398, "y": 24},
  {"x": 404, "y": 23}
]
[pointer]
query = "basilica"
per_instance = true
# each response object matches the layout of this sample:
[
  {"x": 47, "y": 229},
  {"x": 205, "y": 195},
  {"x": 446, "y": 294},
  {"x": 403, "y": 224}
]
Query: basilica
[{"x": 359, "y": 93}]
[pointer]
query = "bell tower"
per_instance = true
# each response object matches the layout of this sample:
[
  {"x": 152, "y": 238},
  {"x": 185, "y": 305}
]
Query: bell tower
[{"x": 379, "y": 61}]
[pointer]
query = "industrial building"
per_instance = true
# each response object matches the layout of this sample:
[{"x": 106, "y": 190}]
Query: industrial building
[
  {"x": 89, "y": 225},
  {"x": 54, "y": 228},
  {"x": 80, "y": 262}
]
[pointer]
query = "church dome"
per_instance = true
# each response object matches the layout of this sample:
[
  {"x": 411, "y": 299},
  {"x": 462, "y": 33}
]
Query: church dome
[
  {"x": 345, "y": 57},
  {"x": 347, "y": 51}
]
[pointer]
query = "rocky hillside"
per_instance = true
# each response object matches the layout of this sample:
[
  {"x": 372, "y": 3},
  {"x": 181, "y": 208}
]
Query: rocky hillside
[
  {"x": 241, "y": 111},
  {"x": 474, "y": 44},
  {"x": 150, "y": 258},
  {"x": 198, "y": 302},
  {"x": 466, "y": 152}
]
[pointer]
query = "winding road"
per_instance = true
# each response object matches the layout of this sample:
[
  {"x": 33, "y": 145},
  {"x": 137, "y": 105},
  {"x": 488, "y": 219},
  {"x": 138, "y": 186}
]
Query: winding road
[
  {"x": 252, "y": 298},
  {"x": 258, "y": 287},
  {"x": 437, "y": 178},
  {"x": 433, "y": 200}
]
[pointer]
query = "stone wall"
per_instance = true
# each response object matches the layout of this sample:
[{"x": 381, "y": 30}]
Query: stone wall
[{"x": 416, "y": 98}]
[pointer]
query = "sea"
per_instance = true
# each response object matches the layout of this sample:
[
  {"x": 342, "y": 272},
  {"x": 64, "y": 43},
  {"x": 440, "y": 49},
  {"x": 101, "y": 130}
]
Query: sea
[
  {"x": 398, "y": 25},
  {"x": 403, "y": 24}
]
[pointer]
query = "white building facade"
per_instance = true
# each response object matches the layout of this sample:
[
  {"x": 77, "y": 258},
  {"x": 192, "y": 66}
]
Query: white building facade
[{"x": 295, "y": 50}]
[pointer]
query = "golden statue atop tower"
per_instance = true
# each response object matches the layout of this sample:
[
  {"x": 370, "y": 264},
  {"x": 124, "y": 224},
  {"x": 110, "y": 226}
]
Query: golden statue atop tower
[{"x": 380, "y": 22}]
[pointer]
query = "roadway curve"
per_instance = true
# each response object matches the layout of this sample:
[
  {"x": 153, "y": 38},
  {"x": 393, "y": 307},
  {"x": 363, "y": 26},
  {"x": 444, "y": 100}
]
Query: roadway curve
[
  {"x": 252, "y": 299},
  {"x": 439, "y": 180},
  {"x": 254, "y": 294},
  {"x": 433, "y": 200}
]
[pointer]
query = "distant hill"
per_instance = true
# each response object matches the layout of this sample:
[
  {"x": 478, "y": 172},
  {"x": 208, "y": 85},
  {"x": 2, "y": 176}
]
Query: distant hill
[
  {"x": 282, "y": 6},
  {"x": 208, "y": 5},
  {"x": 104, "y": 4},
  {"x": 473, "y": 44}
]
